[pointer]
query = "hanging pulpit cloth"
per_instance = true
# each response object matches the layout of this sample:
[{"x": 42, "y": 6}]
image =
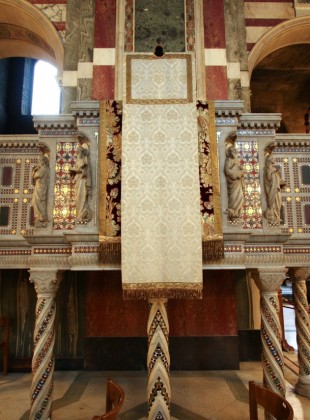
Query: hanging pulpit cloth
[{"x": 161, "y": 220}]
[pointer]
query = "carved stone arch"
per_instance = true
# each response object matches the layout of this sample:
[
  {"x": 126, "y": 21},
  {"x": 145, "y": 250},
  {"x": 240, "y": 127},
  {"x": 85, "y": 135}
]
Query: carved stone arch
[
  {"x": 293, "y": 31},
  {"x": 26, "y": 32}
]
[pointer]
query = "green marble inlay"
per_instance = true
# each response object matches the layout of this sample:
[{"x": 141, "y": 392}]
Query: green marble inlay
[{"x": 159, "y": 19}]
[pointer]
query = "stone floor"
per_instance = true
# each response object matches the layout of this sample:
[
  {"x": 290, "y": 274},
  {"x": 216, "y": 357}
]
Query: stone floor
[{"x": 196, "y": 395}]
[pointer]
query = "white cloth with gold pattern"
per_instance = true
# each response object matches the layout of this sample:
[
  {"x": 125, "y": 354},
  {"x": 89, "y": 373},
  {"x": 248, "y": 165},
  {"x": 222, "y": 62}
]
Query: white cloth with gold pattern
[{"x": 161, "y": 222}]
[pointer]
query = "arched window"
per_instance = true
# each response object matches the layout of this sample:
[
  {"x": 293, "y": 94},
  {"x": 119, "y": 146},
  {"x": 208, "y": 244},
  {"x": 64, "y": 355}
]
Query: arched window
[{"x": 46, "y": 91}]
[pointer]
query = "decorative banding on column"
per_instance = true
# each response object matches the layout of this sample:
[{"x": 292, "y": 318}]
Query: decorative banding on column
[
  {"x": 158, "y": 361},
  {"x": 302, "y": 330},
  {"x": 43, "y": 361},
  {"x": 268, "y": 283}
]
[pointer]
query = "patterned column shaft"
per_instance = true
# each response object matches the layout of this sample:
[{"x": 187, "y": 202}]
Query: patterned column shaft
[
  {"x": 158, "y": 361},
  {"x": 46, "y": 285},
  {"x": 302, "y": 330},
  {"x": 271, "y": 333}
]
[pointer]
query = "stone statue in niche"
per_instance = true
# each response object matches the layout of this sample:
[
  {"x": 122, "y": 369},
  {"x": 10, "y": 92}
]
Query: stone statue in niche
[
  {"x": 40, "y": 179},
  {"x": 234, "y": 176},
  {"x": 273, "y": 183},
  {"x": 81, "y": 173}
]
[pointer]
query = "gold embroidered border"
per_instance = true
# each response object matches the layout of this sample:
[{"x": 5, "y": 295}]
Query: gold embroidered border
[
  {"x": 186, "y": 100},
  {"x": 169, "y": 290}
]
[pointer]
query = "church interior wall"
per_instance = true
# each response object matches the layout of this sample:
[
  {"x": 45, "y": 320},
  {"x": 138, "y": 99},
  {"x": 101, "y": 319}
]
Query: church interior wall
[{"x": 93, "y": 321}]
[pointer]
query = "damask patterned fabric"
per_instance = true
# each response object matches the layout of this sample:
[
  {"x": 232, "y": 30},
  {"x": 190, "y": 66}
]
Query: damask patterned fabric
[{"x": 161, "y": 221}]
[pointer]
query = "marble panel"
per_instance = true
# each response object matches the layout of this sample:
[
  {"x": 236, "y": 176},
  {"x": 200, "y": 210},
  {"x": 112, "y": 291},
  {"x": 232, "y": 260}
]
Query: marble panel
[
  {"x": 161, "y": 19},
  {"x": 214, "y": 24},
  {"x": 105, "y": 20},
  {"x": 270, "y": 9},
  {"x": 103, "y": 82},
  {"x": 216, "y": 77}
]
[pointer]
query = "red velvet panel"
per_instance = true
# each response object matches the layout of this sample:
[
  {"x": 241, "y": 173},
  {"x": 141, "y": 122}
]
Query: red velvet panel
[
  {"x": 108, "y": 315},
  {"x": 215, "y": 314},
  {"x": 105, "y": 21},
  {"x": 216, "y": 82},
  {"x": 214, "y": 25},
  {"x": 103, "y": 82}
]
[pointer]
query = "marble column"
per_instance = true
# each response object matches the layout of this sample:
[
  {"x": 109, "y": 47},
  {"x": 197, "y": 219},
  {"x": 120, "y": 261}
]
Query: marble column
[
  {"x": 236, "y": 52},
  {"x": 71, "y": 54},
  {"x": 269, "y": 281},
  {"x": 46, "y": 285},
  {"x": 158, "y": 361},
  {"x": 302, "y": 329}
]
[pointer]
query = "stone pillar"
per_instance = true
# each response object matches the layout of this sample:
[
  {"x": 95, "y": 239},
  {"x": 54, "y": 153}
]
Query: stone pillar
[
  {"x": 236, "y": 52},
  {"x": 302, "y": 329},
  {"x": 158, "y": 361},
  {"x": 46, "y": 285},
  {"x": 71, "y": 56},
  {"x": 268, "y": 281}
]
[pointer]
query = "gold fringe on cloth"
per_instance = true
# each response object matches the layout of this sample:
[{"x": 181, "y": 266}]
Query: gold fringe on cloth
[
  {"x": 167, "y": 290},
  {"x": 110, "y": 250},
  {"x": 212, "y": 249}
]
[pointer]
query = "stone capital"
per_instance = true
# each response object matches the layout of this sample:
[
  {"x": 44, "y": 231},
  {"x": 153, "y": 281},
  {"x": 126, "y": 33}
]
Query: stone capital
[
  {"x": 46, "y": 282},
  {"x": 270, "y": 279},
  {"x": 301, "y": 274}
]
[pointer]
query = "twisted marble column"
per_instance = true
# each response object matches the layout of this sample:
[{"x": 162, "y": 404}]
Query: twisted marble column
[
  {"x": 268, "y": 282},
  {"x": 158, "y": 361},
  {"x": 46, "y": 285},
  {"x": 302, "y": 330}
]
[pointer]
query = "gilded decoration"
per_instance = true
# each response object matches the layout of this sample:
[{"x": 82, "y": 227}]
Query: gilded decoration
[
  {"x": 210, "y": 203},
  {"x": 110, "y": 148},
  {"x": 9, "y": 31},
  {"x": 148, "y": 85}
]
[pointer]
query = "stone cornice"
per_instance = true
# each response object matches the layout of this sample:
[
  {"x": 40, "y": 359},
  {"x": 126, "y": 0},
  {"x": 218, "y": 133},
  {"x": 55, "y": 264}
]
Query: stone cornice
[
  {"x": 19, "y": 141},
  {"x": 85, "y": 108},
  {"x": 61, "y": 121},
  {"x": 248, "y": 120},
  {"x": 292, "y": 140},
  {"x": 228, "y": 108}
]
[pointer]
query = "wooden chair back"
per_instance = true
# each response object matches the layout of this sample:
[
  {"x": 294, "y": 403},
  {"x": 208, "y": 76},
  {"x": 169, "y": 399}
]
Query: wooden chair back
[
  {"x": 272, "y": 402},
  {"x": 114, "y": 401},
  {"x": 4, "y": 343}
]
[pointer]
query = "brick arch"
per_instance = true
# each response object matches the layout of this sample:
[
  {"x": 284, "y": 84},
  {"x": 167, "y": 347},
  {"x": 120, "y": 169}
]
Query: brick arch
[
  {"x": 26, "y": 32},
  {"x": 294, "y": 31}
]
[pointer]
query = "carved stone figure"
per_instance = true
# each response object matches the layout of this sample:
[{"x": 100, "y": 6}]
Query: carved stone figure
[
  {"x": 40, "y": 179},
  {"x": 273, "y": 185},
  {"x": 81, "y": 173},
  {"x": 234, "y": 176}
]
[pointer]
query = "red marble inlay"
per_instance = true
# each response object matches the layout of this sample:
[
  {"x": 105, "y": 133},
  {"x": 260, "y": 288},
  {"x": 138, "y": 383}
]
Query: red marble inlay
[
  {"x": 214, "y": 24},
  {"x": 216, "y": 82},
  {"x": 105, "y": 21},
  {"x": 103, "y": 82},
  {"x": 60, "y": 26}
]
